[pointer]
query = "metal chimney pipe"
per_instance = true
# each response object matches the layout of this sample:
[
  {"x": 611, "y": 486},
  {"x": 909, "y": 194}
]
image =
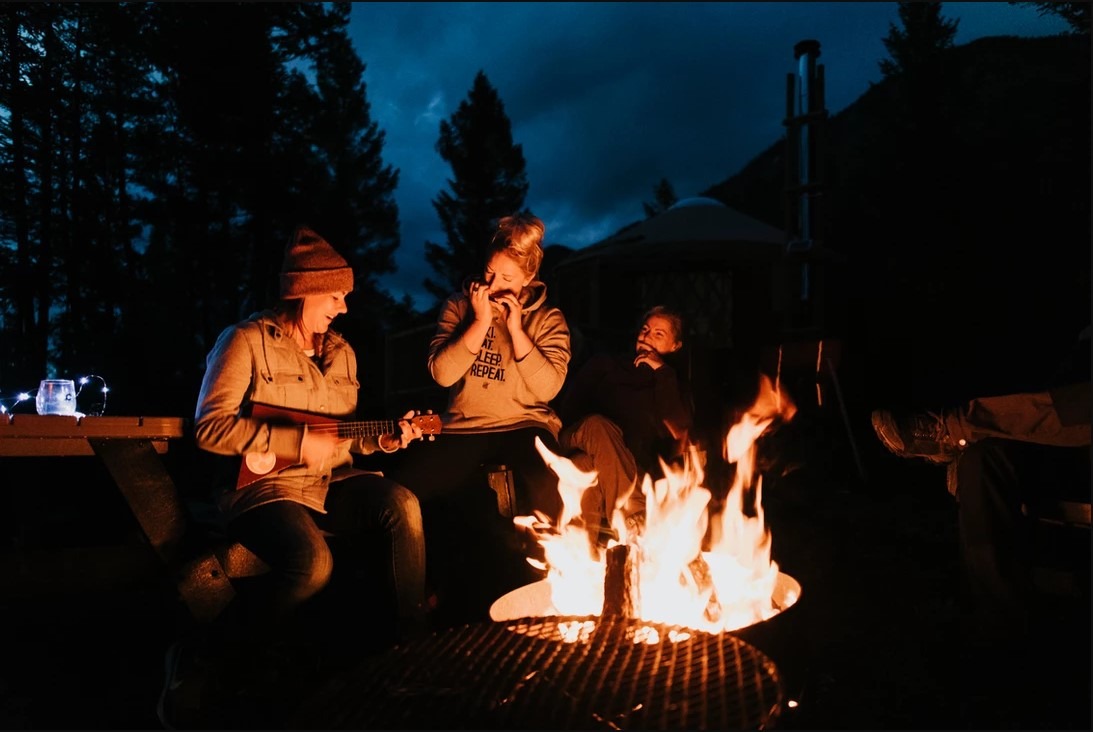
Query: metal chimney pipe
[
  {"x": 806, "y": 53},
  {"x": 805, "y": 107}
]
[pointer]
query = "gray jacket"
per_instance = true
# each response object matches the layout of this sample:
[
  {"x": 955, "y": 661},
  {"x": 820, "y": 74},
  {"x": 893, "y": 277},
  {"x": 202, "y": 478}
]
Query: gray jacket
[{"x": 257, "y": 361}]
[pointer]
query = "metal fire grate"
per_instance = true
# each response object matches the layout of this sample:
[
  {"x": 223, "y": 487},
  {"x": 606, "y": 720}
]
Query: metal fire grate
[{"x": 521, "y": 675}]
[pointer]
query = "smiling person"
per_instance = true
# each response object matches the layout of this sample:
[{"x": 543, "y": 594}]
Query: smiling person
[
  {"x": 625, "y": 413},
  {"x": 503, "y": 353},
  {"x": 290, "y": 358}
]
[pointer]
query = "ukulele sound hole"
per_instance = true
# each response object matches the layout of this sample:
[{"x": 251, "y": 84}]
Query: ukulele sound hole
[{"x": 260, "y": 463}]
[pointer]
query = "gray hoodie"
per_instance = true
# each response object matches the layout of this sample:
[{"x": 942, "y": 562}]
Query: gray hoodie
[{"x": 490, "y": 390}]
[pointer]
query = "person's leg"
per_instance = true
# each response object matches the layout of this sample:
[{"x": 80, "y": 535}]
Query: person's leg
[
  {"x": 446, "y": 476},
  {"x": 994, "y": 535},
  {"x": 438, "y": 470},
  {"x": 496, "y": 550},
  {"x": 600, "y": 441},
  {"x": 380, "y": 523},
  {"x": 238, "y": 656},
  {"x": 535, "y": 483},
  {"x": 995, "y": 552},
  {"x": 1056, "y": 417},
  {"x": 253, "y": 645},
  {"x": 284, "y": 535}
]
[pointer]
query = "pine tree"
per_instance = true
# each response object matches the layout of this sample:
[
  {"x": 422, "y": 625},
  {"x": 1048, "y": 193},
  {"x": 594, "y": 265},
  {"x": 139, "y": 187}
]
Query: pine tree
[
  {"x": 664, "y": 197},
  {"x": 488, "y": 182},
  {"x": 924, "y": 35},
  {"x": 350, "y": 195},
  {"x": 1076, "y": 15}
]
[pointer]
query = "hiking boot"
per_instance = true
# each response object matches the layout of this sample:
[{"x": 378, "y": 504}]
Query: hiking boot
[
  {"x": 183, "y": 698},
  {"x": 232, "y": 686},
  {"x": 921, "y": 435}
]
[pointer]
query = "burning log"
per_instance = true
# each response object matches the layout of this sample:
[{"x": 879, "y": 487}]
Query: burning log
[
  {"x": 699, "y": 570},
  {"x": 618, "y": 583}
]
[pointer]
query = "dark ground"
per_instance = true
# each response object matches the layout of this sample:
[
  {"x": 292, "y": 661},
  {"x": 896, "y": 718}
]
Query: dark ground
[{"x": 876, "y": 632}]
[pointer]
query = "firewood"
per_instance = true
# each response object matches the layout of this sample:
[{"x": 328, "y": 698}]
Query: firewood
[
  {"x": 618, "y": 587},
  {"x": 700, "y": 573}
]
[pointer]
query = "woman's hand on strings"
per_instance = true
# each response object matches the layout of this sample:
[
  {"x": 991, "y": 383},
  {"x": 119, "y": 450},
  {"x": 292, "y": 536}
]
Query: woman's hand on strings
[{"x": 408, "y": 432}]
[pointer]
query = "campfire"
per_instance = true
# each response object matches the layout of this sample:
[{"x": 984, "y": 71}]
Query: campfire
[{"x": 688, "y": 565}]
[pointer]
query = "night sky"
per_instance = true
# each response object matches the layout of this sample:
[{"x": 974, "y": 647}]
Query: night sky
[{"x": 608, "y": 98}]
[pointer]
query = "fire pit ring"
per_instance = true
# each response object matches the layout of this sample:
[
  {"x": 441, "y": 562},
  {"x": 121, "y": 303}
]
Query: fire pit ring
[{"x": 533, "y": 600}]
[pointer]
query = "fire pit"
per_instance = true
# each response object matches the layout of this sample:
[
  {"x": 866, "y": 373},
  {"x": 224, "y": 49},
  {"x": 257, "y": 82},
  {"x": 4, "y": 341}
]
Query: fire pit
[
  {"x": 520, "y": 674},
  {"x": 781, "y": 637},
  {"x": 686, "y": 565}
]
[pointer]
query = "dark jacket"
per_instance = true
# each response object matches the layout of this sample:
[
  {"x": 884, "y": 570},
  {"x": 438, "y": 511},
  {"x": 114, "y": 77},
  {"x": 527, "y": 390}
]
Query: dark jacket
[{"x": 647, "y": 405}]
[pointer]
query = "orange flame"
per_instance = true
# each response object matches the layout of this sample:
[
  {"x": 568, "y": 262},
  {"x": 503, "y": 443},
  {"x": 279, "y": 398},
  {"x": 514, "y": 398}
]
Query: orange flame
[{"x": 727, "y": 586}]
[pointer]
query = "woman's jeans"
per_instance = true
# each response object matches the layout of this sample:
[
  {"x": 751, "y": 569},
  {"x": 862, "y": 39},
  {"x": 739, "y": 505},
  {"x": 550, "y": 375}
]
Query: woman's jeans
[{"x": 377, "y": 524}]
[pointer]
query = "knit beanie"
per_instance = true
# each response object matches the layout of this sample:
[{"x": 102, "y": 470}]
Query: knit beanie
[{"x": 312, "y": 267}]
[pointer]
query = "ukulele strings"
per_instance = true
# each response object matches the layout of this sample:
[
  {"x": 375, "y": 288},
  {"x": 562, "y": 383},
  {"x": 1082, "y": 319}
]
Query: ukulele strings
[{"x": 356, "y": 428}]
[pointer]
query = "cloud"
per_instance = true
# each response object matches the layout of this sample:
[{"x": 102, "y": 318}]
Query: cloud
[
  {"x": 608, "y": 98},
  {"x": 433, "y": 112}
]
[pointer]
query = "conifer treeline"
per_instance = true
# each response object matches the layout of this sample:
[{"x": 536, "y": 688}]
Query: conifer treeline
[{"x": 154, "y": 158}]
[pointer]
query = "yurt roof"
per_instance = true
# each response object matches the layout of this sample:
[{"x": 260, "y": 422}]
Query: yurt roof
[{"x": 692, "y": 229}]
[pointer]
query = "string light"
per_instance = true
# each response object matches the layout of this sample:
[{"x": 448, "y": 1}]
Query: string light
[
  {"x": 7, "y": 406},
  {"x": 82, "y": 381}
]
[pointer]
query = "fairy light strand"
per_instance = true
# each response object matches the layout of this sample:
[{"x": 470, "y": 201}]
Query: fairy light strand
[{"x": 8, "y": 405}]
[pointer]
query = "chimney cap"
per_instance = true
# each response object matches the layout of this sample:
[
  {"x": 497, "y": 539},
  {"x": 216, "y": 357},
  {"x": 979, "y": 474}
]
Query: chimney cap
[{"x": 811, "y": 47}]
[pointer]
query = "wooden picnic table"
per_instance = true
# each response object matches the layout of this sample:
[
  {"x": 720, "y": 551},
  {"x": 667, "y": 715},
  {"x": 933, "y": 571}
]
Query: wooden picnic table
[{"x": 131, "y": 449}]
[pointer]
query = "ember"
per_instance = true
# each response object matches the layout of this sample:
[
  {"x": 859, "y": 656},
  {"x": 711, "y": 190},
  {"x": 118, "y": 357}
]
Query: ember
[{"x": 685, "y": 567}]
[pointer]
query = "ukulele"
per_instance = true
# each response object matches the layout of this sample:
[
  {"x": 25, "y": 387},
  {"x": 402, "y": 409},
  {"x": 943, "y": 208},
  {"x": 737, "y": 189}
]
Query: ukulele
[{"x": 256, "y": 465}]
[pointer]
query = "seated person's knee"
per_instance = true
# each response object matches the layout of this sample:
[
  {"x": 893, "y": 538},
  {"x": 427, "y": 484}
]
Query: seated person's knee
[
  {"x": 314, "y": 571},
  {"x": 404, "y": 507},
  {"x": 588, "y": 432}
]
